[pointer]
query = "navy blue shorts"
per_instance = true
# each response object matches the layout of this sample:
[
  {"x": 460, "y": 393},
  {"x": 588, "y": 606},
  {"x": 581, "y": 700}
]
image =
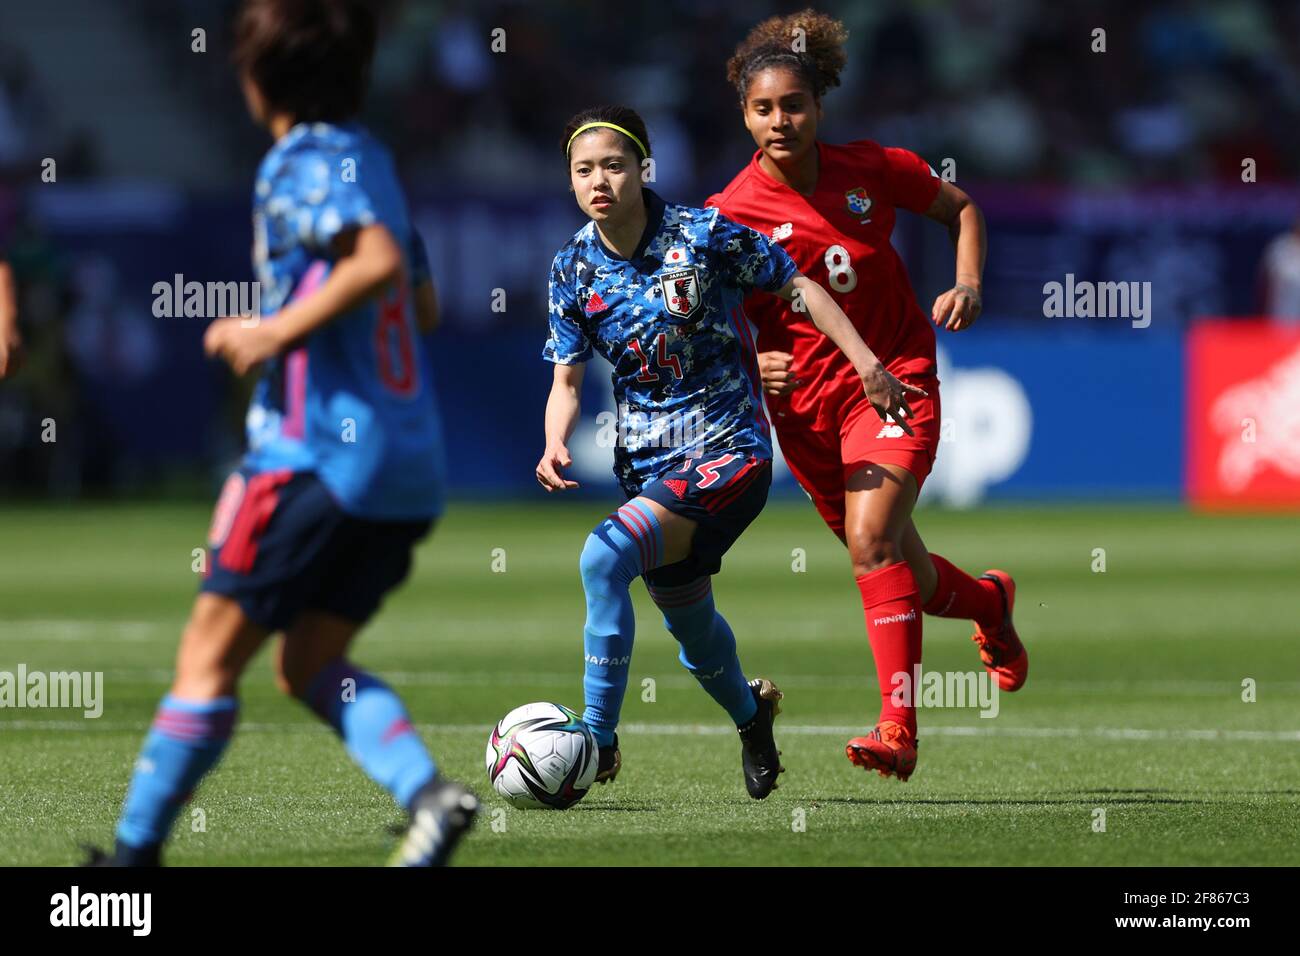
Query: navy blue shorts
[
  {"x": 723, "y": 495},
  {"x": 280, "y": 545}
]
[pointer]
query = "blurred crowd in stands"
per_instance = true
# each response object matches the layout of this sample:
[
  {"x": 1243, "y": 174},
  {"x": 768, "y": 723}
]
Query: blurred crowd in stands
[
  {"x": 1176, "y": 92},
  {"x": 1014, "y": 88},
  {"x": 1184, "y": 89}
]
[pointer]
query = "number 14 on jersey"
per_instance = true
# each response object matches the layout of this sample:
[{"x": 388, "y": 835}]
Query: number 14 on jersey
[{"x": 663, "y": 359}]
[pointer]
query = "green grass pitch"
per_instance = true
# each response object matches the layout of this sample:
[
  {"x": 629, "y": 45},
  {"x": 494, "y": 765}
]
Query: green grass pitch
[{"x": 1133, "y": 706}]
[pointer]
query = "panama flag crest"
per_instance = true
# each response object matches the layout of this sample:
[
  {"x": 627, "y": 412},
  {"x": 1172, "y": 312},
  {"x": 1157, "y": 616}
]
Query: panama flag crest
[{"x": 858, "y": 200}]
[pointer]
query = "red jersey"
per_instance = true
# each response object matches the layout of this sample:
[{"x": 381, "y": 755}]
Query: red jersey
[{"x": 839, "y": 238}]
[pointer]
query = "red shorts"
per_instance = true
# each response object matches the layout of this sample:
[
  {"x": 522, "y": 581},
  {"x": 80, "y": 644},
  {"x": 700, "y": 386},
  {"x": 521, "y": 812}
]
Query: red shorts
[{"x": 822, "y": 459}]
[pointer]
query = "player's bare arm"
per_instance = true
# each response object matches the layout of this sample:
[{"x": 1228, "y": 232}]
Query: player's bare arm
[
  {"x": 562, "y": 410},
  {"x": 11, "y": 342},
  {"x": 885, "y": 392},
  {"x": 960, "y": 306},
  {"x": 369, "y": 260}
]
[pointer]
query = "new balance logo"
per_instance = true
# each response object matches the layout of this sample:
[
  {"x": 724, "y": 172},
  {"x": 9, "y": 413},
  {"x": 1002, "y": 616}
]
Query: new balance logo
[
  {"x": 890, "y": 431},
  {"x": 783, "y": 231}
]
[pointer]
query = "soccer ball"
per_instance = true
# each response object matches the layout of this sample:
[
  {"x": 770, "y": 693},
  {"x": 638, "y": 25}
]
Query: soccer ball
[{"x": 542, "y": 755}]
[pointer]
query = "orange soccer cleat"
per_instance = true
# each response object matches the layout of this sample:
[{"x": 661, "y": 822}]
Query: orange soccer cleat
[
  {"x": 890, "y": 748},
  {"x": 1000, "y": 649}
]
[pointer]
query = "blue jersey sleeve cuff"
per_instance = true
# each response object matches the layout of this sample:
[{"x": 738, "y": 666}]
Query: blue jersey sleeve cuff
[{"x": 789, "y": 269}]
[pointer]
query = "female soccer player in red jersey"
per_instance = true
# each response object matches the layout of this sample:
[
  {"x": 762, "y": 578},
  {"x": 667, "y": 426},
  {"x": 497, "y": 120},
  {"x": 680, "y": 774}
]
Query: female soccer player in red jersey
[{"x": 832, "y": 208}]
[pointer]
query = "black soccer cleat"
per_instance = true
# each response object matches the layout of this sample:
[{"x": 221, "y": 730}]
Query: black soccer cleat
[
  {"x": 96, "y": 857},
  {"x": 758, "y": 754},
  {"x": 609, "y": 763},
  {"x": 123, "y": 855},
  {"x": 441, "y": 813}
]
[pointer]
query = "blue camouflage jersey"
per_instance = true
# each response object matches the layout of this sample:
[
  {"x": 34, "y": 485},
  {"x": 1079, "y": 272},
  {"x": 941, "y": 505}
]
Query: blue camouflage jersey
[
  {"x": 355, "y": 404},
  {"x": 670, "y": 322}
]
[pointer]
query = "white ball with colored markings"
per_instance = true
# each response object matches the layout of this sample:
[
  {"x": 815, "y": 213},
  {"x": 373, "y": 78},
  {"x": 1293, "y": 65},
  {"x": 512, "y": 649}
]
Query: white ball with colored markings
[{"x": 542, "y": 755}]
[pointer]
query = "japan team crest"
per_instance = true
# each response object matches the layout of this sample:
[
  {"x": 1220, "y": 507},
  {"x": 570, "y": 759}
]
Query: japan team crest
[
  {"x": 859, "y": 201},
  {"x": 681, "y": 290}
]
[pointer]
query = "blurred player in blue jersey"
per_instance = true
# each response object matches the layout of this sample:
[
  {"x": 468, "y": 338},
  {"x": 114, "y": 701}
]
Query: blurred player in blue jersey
[
  {"x": 343, "y": 474},
  {"x": 656, "y": 289}
]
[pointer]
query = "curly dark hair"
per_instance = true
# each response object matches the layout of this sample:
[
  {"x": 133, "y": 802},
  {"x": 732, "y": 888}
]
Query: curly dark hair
[{"x": 772, "y": 44}]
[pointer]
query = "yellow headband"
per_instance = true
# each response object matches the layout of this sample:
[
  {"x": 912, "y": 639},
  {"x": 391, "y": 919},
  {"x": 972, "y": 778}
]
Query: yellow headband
[{"x": 586, "y": 126}]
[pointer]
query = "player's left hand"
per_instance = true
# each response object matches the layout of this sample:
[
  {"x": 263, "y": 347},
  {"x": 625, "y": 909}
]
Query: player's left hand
[
  {"x": 888, "y": 396},
  {"x": 958, "y": 308},
  {"x": 241, "y": 346}
]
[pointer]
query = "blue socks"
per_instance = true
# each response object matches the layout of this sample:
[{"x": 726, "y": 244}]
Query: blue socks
[
  {"x": 188, "y": 738},
  {"x": 708, "y": 645},
  {"x": 374, "y": 726},
  {"x": 185, "y": 742},
  {"x": 623, "y": 546}
]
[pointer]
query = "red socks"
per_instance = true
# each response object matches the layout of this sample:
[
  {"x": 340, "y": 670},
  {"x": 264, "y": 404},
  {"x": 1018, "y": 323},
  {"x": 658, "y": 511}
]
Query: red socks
[
  {"x": 892, "y": 604},
  {"x": 960, "y": 595}
]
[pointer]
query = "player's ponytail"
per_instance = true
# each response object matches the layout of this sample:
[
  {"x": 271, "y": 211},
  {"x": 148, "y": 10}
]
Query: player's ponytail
[
  {"x": 621, "y": 119},
  {"x": 808, "y": 43}
]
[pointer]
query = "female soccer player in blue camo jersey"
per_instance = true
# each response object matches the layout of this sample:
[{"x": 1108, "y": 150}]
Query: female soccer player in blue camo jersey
[
  {"x": 656, "y": 289},
  {"x": 315, "y": 528}
]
